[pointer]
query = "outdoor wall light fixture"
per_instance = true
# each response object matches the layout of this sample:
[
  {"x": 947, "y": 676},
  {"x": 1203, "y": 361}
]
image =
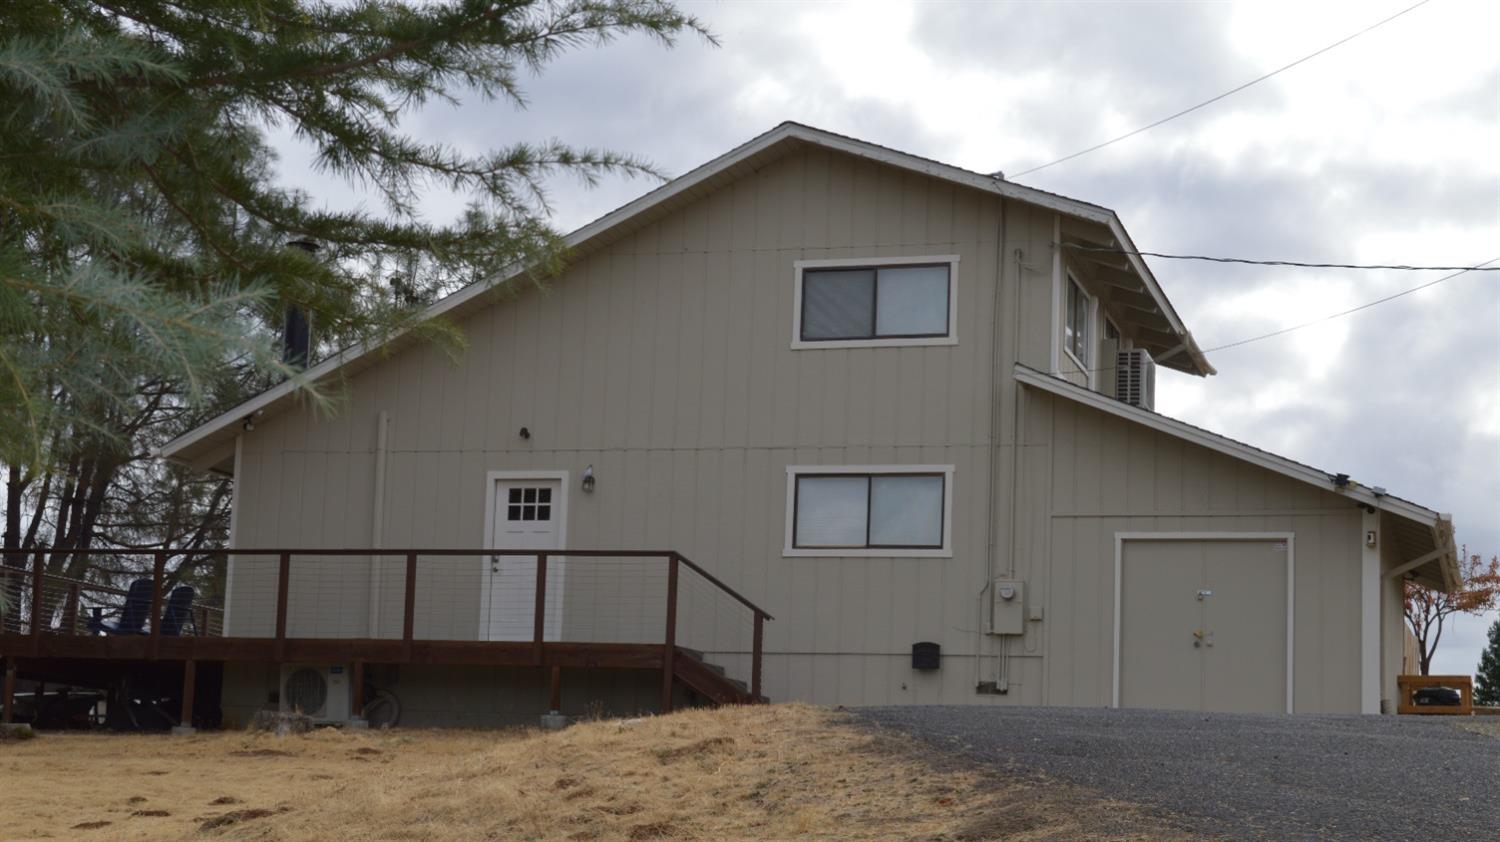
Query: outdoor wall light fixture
[
  {"x": 525, "y": 433},
  {"x": 588, "y": 480}
]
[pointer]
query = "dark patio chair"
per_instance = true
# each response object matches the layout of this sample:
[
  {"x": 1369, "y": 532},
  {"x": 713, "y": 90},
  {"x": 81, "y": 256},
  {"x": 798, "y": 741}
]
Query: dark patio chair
[
  {"x": 177, "y": 613},
  {"x": 133, "y": 613}
]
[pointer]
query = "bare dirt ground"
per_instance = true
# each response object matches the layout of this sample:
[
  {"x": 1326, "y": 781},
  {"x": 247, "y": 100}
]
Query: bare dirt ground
[{"x": 767, "y": 772}]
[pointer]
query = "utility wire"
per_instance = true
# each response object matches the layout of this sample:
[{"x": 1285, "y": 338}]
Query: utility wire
[
  {"x": 1367, "y": 305},
  {"x": 1294, "y": 263},
  {"x": 1228, "y": 93},
  {"x": 1330, "y": 317}
]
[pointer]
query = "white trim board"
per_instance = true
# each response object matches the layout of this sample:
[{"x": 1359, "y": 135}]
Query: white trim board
[
  {"x": 1370, "y": 582},
  {"x": 800, "y": 344},
  {"x": 234, "y": 533},
  {"x": 792, "y": 471},
  {"x": 684, "y": 185},
  {"x": 1291, "y": 589}
]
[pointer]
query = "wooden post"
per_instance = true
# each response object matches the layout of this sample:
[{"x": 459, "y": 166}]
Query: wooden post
[
  {"x": 158, "y": 573},
  {"x": 669, "y": 649},
  {"x": 38, "y": 568},
  {"x": 189, "y": 686},
  {"x": 283, "y": 581},
  {"x": 409, "y": 620},
  {"x": 539, "y": 615},
  {"x": 357, "y": 688},
  {"x": 757, "y": 647},
  {"x": 8, "y": 700},
  {"x": 70, "y": 611},
  {"x": 556, "y": 706}
]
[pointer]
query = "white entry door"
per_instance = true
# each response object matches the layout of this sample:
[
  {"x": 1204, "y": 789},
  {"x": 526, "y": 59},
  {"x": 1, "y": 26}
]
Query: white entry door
[{"x": 527, "y": 514}]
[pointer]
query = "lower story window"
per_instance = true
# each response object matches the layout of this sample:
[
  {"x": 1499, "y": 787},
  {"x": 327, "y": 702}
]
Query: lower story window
[{"x": 884, "y": 511}]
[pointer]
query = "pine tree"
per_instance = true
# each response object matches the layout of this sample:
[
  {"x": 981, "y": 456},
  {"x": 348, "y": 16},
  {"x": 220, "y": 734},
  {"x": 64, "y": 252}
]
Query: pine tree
[
  {"x": 142, "y": 230},
  {"x": 1487, "y": 680}
]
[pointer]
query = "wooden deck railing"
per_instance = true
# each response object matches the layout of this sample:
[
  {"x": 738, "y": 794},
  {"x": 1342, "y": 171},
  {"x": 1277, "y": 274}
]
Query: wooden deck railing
[{"x": 45, "y": 606}]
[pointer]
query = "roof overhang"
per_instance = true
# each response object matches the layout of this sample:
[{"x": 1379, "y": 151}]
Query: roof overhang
[
  {"x": 1130, "y": 293},
  {"x": 210, "y": 445},
  {"x": 1423, "y": 537}
]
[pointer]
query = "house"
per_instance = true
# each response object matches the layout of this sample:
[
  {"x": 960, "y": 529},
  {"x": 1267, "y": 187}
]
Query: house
[{"x": 873, "y": 395}]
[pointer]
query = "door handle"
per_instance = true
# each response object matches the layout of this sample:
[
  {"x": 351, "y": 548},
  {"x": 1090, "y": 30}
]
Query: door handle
[{"x": 1197, "y": 638}]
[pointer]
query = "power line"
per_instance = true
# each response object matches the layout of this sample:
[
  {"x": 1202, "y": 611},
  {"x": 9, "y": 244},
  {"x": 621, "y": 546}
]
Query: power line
[
  {"x": 1367, "y": 305},
  {"x": 1228, "y": 93},
  {"x": 1330, "y": 317},
  {"x": 1293, "y": 263}
]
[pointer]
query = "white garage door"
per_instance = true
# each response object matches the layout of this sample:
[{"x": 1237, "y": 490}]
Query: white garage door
[{"x": 1203, "y": 624}]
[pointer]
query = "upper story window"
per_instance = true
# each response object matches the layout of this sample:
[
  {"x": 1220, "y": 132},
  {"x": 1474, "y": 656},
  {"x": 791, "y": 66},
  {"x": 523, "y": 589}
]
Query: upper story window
[
  {"x": 884, "y": 301},
  {"x": 1076, "y": 323},
  {"x": 893, "y": 510}
]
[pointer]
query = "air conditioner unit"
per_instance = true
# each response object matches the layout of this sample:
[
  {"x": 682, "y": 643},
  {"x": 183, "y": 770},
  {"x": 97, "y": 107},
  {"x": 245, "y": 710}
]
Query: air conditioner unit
[
  {"x": 1135, "y": 378},
  {"x": 321, "y": 692},
  {"x": 1109, "y": 351}
]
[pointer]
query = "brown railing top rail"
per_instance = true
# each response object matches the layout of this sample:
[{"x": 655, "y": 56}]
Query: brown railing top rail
[
  {"x": 436, "y": 551},
  {"x": 439, "y": 551}
]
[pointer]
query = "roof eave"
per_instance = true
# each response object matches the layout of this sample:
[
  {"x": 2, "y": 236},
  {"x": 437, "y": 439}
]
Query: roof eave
[
  {"x": 1279, "y": 464},
  {"x": 185, "y": 448}
]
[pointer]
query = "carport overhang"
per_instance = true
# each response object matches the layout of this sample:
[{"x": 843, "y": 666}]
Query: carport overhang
[{"x": 1422, "y": 538}]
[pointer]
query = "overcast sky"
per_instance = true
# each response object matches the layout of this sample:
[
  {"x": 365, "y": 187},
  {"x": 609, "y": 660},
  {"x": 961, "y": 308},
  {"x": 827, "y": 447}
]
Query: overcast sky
[{"x": 1385, "y": 150}]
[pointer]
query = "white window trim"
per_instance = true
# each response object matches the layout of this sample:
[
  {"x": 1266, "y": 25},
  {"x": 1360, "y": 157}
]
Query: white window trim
[
  {"x": 792, "y": 472},
  {"x": 1291, "y": 591},
  {"x": 1062, "y": 329},
  {"x": 798, "y": 343}
]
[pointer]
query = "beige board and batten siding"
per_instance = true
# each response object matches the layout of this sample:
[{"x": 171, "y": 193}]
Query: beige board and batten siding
[
  {"x": 663, "y": 361},
  {"x": 1095, "y": 476}
]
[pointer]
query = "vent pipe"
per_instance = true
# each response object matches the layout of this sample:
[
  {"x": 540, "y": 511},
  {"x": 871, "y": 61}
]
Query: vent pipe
[{"x": 296, "y": 329}]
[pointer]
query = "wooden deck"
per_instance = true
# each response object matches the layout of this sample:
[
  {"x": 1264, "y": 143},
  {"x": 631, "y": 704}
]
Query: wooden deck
[{"x": 43, "y": 640}]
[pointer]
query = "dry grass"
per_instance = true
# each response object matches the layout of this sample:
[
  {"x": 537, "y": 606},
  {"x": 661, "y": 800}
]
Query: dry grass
[
  {"x": 766, "y": 772},
  {"x": 1479, "y": 725}
]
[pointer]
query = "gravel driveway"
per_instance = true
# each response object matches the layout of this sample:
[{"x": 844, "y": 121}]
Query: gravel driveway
[{"x": 1238, "y": 775}]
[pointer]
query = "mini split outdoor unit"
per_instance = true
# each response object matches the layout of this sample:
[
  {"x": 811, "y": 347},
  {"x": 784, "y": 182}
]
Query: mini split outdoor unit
[
  {"x": 1135, "y": 378},
  {"x": 320, "y": 692}
]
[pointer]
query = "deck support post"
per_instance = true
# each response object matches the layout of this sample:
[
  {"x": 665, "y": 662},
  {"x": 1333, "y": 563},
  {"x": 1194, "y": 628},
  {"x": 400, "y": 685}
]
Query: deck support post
[
  {"x": 669, "y": 648},
  {"x": 555, "y": 703},
  {"x": 757, "y": 649},
  {"x": 539, "y": 614},
  {"x": 283, "y": 575},
  {"x": 8, "y": 699},
  {"x": 189, "y": 687}
]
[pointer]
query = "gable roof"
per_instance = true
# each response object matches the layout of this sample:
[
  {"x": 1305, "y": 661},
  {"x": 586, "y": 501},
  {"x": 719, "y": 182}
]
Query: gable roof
[
  {"x": 1421, "y": 534},
  {"x": 210, "y": 445}
]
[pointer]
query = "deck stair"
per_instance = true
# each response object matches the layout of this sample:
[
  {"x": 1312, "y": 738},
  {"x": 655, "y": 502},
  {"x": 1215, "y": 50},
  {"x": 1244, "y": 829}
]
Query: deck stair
[{"x": 709, "y": 680}]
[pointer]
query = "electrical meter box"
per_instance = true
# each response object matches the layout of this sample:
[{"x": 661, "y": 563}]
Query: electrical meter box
[{"x": 1008, "y": 607}]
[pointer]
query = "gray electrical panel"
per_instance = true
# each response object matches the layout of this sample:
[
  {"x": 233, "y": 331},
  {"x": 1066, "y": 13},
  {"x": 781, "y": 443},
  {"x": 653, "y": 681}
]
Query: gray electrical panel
[{"x": 1008, "y": 607}]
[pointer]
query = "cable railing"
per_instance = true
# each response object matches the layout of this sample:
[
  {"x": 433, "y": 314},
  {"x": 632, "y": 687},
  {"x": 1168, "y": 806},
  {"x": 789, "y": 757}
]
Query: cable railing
[{"x": 538, "y": 607}]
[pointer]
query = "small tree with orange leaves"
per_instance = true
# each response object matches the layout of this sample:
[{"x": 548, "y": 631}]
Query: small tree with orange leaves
[{"x": 1427, "y": 609}]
